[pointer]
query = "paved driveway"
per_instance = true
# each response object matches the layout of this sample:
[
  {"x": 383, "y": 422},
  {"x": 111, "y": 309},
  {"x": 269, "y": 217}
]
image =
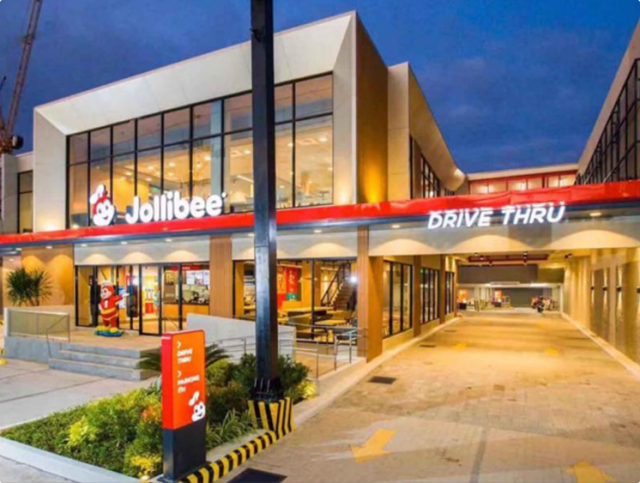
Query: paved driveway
[{"x": 517, "y": 398}]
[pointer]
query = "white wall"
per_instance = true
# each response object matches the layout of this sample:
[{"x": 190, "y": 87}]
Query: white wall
[{"x": 292, "y": 246}]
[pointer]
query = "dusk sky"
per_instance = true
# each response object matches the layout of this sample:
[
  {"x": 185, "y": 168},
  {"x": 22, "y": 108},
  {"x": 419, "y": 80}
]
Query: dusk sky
[{"x": 512, "y": 83}]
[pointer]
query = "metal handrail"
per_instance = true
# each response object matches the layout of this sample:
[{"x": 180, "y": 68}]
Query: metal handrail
[
  {"x": 64, "y": 318},
  {"x": 338, "y": 279}
]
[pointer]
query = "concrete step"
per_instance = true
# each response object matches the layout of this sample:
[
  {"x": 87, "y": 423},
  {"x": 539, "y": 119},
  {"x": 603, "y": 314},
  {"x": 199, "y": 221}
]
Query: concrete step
[
  {"x": 101, "y": 370},
  {"x": 107, "y": 360},
  {"x": 106, "y": 350}
]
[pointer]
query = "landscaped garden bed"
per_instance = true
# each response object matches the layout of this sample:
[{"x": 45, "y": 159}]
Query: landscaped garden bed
[{"x": 124, "y": 433}]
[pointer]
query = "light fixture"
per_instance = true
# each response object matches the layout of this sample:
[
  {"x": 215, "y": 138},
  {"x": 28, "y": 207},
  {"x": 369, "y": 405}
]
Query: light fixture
[
  {"x": 251, "y": 235},
  {"x": 129, "y": 174},
  {"x": 11, "y": 259},
  {"x": 171, "y": 174},
  {"x": 172, "y": 164},
  {"x": 49, "y": 247},
  {"x": 247, "y": 151},
  {"x": 395, "y": 227},
  {"x": 123, "y": 243},
  {"x": 322, "y": 139},
  {"x": 83, "y": 245},
  {"x": 317, "y": 231},
  {"x": 290, "y": 145},
  {"x": 595, "y": 214},
  {"x": 169, "y": 240},
  {"x": 18, "y": 249},
  {"x": 148, "y": 179},
  {"x": 207, "y": 158},
  {"x": 353, "y": 279},
  {"x": 75, "y": 226},
  {"x": 281, "y": 186}
]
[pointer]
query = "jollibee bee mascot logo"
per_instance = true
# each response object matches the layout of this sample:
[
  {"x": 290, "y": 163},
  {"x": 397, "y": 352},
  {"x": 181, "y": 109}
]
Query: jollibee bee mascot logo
[{"x": 102, "y": 209}]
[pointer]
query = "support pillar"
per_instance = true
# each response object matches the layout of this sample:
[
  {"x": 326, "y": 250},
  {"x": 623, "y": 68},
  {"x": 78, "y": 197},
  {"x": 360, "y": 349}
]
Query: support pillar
[
  {"x": 221, "y": 276},
  {"x": 442, "y": 288},
  {"x": 370, "y": 293},
  {"x": 417, "y": 296}
]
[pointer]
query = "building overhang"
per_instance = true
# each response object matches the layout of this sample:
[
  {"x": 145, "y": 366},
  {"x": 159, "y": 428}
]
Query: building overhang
[{"x": 611, "y": 199}]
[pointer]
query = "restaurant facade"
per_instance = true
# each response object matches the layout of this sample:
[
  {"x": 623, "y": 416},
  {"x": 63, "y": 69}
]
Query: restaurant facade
[{"x": 147, "y": 183}]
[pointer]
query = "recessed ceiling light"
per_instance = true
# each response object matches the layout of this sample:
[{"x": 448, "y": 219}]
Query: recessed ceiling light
[
  {"x": 49, "y": 247},
  {"x": 169, "y": 240},
  {"x": 207, "y": 158},
  {"x": 251, "y": 235},
  {"x": 317, "y": 231},
  {"x": 395, "y": 227},
  {"x": 11, "y": 260},
  {"x": 123, "y": 243},
  {"x": 83, "y": 245},
  {"x": 18, "y": 249},
  {"x": 322, "y": 139},
  {"x": 172, "y": 164},
  {"x": 247, "y": 151},
  {"x": 595, "y": 214}
]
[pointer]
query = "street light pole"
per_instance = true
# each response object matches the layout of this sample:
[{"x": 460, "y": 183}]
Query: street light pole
[{"x": 267, "y": 384}]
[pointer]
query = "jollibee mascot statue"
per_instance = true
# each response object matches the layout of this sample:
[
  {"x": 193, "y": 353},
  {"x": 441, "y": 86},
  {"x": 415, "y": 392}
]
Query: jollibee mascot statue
[{"x": 109, "y": 310}]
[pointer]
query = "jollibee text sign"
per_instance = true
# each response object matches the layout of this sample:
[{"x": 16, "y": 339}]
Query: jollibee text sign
[{"x": 183, "y": 379}]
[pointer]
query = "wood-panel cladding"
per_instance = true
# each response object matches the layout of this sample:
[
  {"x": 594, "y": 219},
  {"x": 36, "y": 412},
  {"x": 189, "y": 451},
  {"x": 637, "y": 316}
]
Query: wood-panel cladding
[
  {"x": 221, "y": 276},
  {"x": 371, "y": 120}
]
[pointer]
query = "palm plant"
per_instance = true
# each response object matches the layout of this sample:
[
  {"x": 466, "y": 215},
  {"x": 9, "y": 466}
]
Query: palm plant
[
  {"x": 212, "y": 354},
  {"x": 28, "y": 287}
]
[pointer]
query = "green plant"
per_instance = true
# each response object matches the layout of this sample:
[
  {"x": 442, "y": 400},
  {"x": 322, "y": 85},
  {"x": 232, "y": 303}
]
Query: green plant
[
  {"x": 222, "y": 400},
  {"x": 28, "y": 287},
  {"x": 233, "y": 426},
  {"x": 213, "y": 354}
]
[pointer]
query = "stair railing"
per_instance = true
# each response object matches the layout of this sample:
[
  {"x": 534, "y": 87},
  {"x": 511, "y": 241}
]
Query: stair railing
[{"x": 342, "y": 275}]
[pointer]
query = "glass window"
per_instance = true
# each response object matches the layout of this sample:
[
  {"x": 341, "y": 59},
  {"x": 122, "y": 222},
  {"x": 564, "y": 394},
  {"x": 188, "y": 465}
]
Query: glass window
[
  {"x": 396, "y": 298},
  {"x": 534, "y": 183},
  {"x": 100, "y": 174},
  {"x": 207, "y": 119},
  {"x": 284, "y": 166},
  {"x": 176, "y": 126},
  {"x": 386, "y": 300},
  {"x": 314, "y": 97},
  {"x": 207, "y": 167},
  {"x": 101, "y": 143},
  {"x": 78, "y": 148},
  {"x": 196, "y": 289},
  {"x": 314, "y": 161},
  {"x": 284, "y": 103},
  {"x": 123, "y": 185},
  {"x": 149, "y": 132},
  {"x": 407, "y": 323},
  {"x": 149, "y": 175},
  {"x": 238, "y": 171},
  {"x": 515, "y": 185},
  {"x": 237, "y": 113},
  {"x": 25, "y": 202},
  {"x": 479, "y": 188},
  {"x": 124, "y": 138},
  {"x": 78, "y": 195},
  {"x": 553, "y": 181},
  {"x": 176, "y": 169}
]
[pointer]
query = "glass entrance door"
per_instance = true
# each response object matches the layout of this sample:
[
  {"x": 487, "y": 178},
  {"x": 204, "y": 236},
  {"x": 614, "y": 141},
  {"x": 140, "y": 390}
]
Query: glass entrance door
[{"x": 151, "y": 312}]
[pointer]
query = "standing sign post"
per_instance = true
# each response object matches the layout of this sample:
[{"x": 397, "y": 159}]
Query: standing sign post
[{"x": 184, "y": 419}]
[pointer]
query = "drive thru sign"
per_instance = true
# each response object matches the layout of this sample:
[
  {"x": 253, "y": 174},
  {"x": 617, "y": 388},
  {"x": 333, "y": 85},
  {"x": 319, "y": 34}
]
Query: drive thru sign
[{"x": 183, "y": 403}]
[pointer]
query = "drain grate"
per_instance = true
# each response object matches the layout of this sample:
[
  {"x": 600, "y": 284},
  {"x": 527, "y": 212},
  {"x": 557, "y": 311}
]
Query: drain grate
[
  {"x": 428, "y": 346},
  {"x": 256, "y": 476},
  {"x": 382, "y": 380}
]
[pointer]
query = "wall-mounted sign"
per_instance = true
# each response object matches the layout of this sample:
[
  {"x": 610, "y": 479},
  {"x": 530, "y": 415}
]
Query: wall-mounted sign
[
  {"x": 538, "y": 213},
  {"x": 165, "y": 207},
  {"x": 183, "y": 402}
]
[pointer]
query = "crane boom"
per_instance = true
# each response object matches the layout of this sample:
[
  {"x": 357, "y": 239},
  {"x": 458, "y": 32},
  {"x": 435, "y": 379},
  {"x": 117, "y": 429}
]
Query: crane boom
[{"x": 6, "y": 126}]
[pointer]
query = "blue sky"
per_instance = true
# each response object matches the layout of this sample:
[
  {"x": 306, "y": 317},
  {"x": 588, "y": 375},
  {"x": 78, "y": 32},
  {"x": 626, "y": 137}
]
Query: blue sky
[{"x": 511, "y": 82}]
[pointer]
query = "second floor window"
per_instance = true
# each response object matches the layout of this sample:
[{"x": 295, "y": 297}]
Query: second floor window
[
  {"x": 25, "y": 202},
  {"x": 208, "y": 149}
]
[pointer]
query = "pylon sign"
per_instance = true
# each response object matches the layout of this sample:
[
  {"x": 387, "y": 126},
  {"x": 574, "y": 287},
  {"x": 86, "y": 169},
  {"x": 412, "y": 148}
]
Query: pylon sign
[{"x": 184, "y": 421}]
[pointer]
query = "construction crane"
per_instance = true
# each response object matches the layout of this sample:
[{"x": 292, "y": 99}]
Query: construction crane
[{"x": 9, "y": 141}]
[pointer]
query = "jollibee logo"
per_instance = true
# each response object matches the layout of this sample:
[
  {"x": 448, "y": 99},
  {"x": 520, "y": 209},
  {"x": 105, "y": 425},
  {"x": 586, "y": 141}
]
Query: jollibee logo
[
  {"x": 102, "y": 209},
  {"x": 199, "y": 409}
]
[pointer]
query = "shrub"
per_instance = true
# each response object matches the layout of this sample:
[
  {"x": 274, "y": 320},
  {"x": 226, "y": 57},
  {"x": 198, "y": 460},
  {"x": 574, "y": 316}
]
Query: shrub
[
  {"x": 233, "y": 426},
  {"x": 28, "y": 287},
  {"x": 222, "y": 400}
]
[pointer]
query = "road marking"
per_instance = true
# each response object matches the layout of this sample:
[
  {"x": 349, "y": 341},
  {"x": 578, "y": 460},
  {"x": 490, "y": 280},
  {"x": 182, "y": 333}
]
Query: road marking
[
  {"x": 374, "y": 447},
  {"x": 461, "y": 345},
  {"x": 3, "y": 362},
  {"x": 585, "y": 472},
  {"x": 552, "y": 352}
]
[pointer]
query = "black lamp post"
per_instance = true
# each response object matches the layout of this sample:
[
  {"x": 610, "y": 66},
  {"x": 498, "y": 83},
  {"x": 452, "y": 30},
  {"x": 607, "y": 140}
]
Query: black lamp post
[{"x": 267, "y": 384}]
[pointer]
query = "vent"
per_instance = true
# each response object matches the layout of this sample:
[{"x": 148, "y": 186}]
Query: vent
[
  {"x": 256, "y": 476},
  {"x": 382, "y": 380}
]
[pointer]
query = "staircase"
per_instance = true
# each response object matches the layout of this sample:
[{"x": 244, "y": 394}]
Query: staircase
[
  {"x": 114, "y": 363},
  {"x": 343, "y": 298}
]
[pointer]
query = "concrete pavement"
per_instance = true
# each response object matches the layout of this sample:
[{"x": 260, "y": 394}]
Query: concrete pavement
[{"x": 514, "y": 398}]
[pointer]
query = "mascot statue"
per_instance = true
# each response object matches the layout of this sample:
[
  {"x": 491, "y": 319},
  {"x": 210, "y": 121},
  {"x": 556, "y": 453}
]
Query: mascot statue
[{"x": 109, "y": 311}]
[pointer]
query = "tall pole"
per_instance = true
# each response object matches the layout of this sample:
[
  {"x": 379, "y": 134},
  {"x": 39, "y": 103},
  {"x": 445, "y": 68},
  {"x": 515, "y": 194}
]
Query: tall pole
[{"x": 267, "y": 384}]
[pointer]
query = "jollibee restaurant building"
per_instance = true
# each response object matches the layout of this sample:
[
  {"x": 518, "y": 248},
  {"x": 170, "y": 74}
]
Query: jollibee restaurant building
[{"x": 148, "y": 183}]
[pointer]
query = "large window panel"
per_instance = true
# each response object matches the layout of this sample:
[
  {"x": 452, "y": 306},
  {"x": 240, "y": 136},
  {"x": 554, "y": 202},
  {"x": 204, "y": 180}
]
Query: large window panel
[
  {"x": 314, "y": 97},
  {"x": 207, "y": 167},
  {"x": 284, "y": 166},
  {"x": 176, "y": 169},
  {"x": 100, "y": 174},
  {"x": 238, "y": 171},
  {"x": 78, "y": 195},
  {"x": 176, "y": 126},
  {"x": 101, "y": 143},
  {"x": 407, "y": 322},
  {"x": 207, "y": 119},
  {"x": 149, "y": 174},
  {"x": 25, "y": 202},
  {"x": 149, "y": 132},
  {"x": 284, "y": 103},
  {"x": 124, "y": 138},
  {"x": 386, "y": 300},
  {"x": 237, "y": 113},
  {"x": 123, "y": 185},
  {"x": 314, "y": 161},
  {"x": 78, "y": 148},
  {"x": 396, "y": 297}
]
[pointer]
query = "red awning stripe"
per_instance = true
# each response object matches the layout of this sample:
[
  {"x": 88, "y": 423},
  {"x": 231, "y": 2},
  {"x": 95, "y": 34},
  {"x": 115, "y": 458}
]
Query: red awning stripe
[{"x": 599, "y": 195}]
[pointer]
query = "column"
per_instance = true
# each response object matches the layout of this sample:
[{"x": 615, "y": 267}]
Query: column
[
  {"x": 369, "y": 298},
  {"x": 221, "y": 276}
]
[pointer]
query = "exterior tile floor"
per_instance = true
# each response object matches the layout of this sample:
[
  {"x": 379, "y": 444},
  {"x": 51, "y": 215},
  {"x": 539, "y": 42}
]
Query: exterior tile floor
[{"x": 500, "y": 398}]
